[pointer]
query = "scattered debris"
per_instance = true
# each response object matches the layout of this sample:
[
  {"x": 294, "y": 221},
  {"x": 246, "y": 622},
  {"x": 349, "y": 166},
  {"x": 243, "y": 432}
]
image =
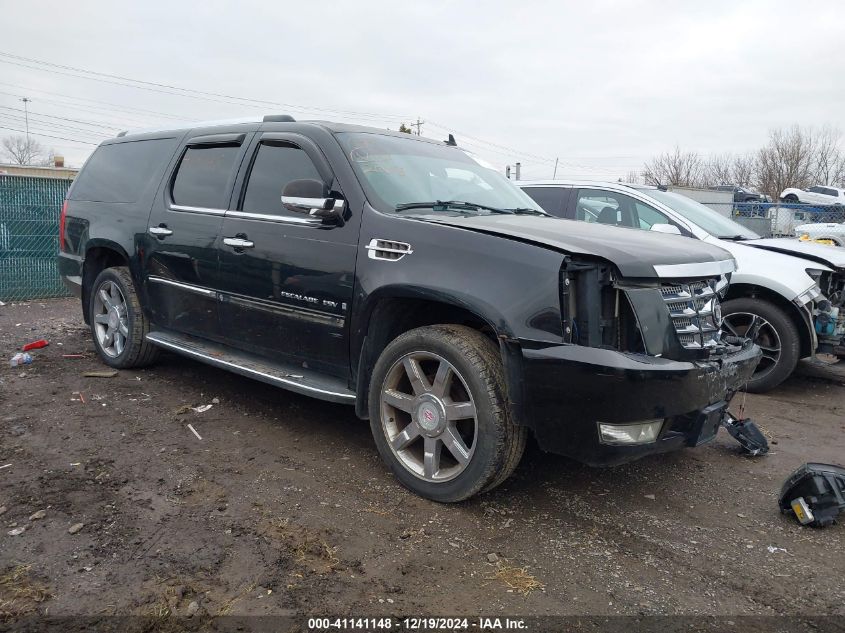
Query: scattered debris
[
  {"x": 19, "y": 595},
  {"x": 5, "y": 466},
  {"x": 183, "y": 409},
  {"x": 100, "y": 374},
  {"x": 747, "y": 434},
  {"x": 17, "y": 531},
  {"x": 815, "y": 494},
  {"x": 492, "y": 558},
  {"x": 215, "y": 401},
  {"x": 517, "y": 579},
  {"x": 652, "y": 497},
  {"x": 194, "y": 431},
  {"x": 202, "y": 408},
  {"x": 20, "y": 359},
  {"x": 40, "y": 514},
  {"x": 193, "y": 608},
  {"x": 73, "y": 529},
  {"x": 35, "y": 345},
  {"x": 772, "y": 549}
]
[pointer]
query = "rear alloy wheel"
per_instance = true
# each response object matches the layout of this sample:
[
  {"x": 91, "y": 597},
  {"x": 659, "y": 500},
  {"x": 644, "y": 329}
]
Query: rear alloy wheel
[
  {"x": 439, "y": 416},
  {"x": 773, "y": 332},
  {"x": 118, "y": 324},
  {"x": 791, "y": 198}
]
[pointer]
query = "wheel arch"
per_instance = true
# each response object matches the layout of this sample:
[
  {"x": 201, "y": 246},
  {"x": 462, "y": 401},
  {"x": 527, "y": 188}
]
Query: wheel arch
[
  {"x": 740, "y": 290},
  {"x": 391, "y": 313},
  {"x": 99, "y": 255}
]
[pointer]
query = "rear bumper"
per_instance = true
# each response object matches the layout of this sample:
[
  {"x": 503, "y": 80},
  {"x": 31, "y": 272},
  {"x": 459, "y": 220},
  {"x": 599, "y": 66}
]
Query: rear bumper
[{"x": 568, "y": 390}]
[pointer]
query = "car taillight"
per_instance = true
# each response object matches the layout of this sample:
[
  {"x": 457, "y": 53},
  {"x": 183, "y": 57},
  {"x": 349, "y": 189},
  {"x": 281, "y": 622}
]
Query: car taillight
[{"x": 62, "y": 226}]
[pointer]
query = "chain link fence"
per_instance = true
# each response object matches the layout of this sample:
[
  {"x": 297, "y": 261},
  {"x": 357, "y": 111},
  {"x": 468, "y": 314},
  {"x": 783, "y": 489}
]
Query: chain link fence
[
  {"x": 29, "y": 237},
  {"x": 782, "y": 219}
]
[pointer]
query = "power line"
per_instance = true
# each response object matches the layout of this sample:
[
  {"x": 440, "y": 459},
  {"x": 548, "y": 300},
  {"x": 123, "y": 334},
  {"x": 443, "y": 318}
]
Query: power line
[
  {"x": 50, "y": 116},
  {"x": 62, "y": 138},
  {"x": 186, "y": 92}
]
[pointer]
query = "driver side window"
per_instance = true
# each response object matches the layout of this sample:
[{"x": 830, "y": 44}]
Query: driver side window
[{"x": 274, "y": 167}]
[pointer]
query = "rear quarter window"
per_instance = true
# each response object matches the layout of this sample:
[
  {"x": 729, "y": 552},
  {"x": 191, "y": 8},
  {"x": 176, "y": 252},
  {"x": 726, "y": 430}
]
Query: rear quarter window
[{"x": 120, "y": 172}]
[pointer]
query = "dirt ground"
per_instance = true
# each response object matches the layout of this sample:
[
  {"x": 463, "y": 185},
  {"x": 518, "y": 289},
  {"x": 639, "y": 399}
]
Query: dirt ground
[{"x": 283, "y": 506}]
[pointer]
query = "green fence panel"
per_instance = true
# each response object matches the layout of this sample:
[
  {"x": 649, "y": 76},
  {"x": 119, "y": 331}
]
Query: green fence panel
[{"x": 29, "y": 237}]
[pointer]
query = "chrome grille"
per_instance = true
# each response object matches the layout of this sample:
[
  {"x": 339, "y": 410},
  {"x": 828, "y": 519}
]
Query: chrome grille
[{"x": 693, "y": 308}]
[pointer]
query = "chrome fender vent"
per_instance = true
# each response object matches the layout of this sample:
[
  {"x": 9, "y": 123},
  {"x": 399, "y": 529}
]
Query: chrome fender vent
[{"x": 387, "y": 250}]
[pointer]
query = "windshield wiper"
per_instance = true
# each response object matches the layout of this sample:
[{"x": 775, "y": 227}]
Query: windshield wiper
[
  {"x": 462, "y": 205},
  {"x": 735, "y": 238}
]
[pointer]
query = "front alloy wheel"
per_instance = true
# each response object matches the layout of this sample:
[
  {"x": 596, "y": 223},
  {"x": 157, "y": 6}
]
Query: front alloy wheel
[
  {"x": 430, "y": 425},
  {"x": 774, "y": 332},
  {"x": 439, "y": 413}
]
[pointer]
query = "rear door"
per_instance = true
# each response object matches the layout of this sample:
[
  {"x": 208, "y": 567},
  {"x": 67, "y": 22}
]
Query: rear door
[
  {"x": 286, "y": 278},
  {"x": 180, "y": 263}
]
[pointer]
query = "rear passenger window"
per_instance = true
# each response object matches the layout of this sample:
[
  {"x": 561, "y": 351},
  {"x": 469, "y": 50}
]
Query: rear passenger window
[
  {"x": 120, "y": 172},
  {"x": 550, "y": 199},
  {"x": 274, "y": 167},
  {"x": 204, "y": 176}
]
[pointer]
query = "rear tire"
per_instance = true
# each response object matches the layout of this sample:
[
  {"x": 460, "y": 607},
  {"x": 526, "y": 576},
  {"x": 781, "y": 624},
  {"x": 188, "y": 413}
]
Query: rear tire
[
  {"x": 118, "y": 324},
  {"x": 791, "y": 198},
  {"x": 439, "y": 413},
  {"x": 776, "y": 335}
]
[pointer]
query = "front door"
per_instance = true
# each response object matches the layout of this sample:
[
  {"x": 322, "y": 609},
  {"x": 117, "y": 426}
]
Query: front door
[
  {"x": 286, "y": 278},
  {"x": 180, "y": 259}
]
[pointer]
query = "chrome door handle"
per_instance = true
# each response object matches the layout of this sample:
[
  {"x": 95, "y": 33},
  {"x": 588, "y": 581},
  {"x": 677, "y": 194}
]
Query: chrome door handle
[
  {"x": 237, "y": 242},
  {"x": 159, "y": 231}
]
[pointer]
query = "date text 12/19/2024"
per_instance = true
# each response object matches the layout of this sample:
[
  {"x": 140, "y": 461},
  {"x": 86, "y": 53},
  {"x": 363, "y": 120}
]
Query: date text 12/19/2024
[{"x": 416, "y": 624}]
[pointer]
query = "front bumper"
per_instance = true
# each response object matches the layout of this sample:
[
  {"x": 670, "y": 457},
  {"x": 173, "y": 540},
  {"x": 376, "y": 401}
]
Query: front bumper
[{"x": 568, "y": 389}]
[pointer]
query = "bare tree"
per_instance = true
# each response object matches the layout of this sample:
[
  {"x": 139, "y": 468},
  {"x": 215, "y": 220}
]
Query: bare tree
[
  {"x": 719, "y": 170},
  {"x": 829, "y": 160},
  {"x": 787, "y": 160},
  {"x": 21, "y": 150},
  {"x": 744, "y": 170},
  {"x": 682, "y": 169},
  {"x": 632, "y": 177}
]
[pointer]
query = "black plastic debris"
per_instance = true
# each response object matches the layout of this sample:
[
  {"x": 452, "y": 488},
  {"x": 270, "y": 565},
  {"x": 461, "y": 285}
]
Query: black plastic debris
[
  {"x": 747, "y": 434},
  {"x": 815, "y": 494}
]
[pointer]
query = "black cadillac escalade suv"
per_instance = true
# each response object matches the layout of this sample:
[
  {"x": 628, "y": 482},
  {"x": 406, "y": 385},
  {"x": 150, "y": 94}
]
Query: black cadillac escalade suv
[{"x": 402, "y": 276}]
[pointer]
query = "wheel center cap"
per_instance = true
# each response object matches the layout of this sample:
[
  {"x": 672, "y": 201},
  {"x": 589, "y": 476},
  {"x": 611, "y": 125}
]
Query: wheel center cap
[
  {"x": 114, "y": 319},
  {"x": 430, "y": 416}
]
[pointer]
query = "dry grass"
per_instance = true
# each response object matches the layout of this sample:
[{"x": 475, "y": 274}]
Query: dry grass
[
  {"x": 517, "y": 578},
  {"x": 19, "y": 594},
  {"x": 309, "y": 549}
]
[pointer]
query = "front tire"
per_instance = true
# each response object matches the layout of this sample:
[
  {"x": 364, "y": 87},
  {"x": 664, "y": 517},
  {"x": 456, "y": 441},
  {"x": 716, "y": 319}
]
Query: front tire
[
  {"x": 792, "y": 198},
  {"x": 439, "y": 413},
  {"x": 118, "y": 325},
  {"x": 770, "y": 328}
]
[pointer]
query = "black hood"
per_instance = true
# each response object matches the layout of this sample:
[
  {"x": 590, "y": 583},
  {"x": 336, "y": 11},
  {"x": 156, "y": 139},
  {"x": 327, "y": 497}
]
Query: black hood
[{"x": 634, "y": 252}]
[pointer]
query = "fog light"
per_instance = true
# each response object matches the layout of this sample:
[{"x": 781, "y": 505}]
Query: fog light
[{"x": 640, "y": 433}]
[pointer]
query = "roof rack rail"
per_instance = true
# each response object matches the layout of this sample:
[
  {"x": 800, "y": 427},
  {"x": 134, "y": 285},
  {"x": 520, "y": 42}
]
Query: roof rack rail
[{"x": 279, "y": 118}]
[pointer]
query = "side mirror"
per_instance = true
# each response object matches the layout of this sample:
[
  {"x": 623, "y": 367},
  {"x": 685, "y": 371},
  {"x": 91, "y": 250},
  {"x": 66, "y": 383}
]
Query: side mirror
[
  {"x": 671, "y": 229},
  {"x": 312, "y": 198}
]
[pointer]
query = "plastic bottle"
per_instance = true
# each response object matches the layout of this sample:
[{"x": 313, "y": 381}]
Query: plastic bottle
[{"x": 20, "y": 359}]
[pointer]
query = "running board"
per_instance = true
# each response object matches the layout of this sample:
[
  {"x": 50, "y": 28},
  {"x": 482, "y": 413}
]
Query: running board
[{"x": 291, "y": 377}]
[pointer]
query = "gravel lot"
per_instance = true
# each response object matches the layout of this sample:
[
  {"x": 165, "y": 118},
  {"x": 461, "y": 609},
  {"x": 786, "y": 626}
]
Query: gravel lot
[{"x": 283, "y": 506}]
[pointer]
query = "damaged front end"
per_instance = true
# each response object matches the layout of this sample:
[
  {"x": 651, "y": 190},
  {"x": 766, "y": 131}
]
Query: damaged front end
[
  {"x": 643, "y": 368},
  {"x": 827, "y": 312}
]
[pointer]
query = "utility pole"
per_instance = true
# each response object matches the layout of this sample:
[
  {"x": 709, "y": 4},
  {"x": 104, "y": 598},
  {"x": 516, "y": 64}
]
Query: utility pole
[
  {"x": 418, "y": 125},
  {"x": 555, "y": 172},
  {"x": 518, "y": 170},
  {"x": 26, "y": 101}
]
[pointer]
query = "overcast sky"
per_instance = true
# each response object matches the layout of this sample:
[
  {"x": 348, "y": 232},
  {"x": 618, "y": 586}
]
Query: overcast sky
[{"x": 601, "y": 85}]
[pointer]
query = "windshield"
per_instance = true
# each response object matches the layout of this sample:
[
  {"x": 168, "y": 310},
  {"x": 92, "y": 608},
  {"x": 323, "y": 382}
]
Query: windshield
[
  {"x": 708, "y": 219},
  {"x": 401, "y": 171}
]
